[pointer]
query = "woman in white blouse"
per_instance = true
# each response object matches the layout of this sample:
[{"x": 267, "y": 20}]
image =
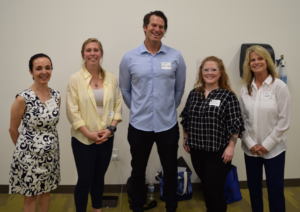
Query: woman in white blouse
[{"x": 265, "y": 105}]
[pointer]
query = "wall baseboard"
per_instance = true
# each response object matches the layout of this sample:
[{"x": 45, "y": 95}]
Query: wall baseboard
[{"x": 68, "y": 189}]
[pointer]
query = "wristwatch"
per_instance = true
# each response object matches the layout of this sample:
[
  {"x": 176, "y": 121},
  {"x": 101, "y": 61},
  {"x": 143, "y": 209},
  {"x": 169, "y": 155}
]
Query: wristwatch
[{"x": 112, "y": 129}]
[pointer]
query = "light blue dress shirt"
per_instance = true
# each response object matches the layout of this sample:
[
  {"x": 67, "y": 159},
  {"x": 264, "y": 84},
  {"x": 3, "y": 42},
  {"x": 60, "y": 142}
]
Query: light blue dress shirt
[{"x": 152, "y": 87}]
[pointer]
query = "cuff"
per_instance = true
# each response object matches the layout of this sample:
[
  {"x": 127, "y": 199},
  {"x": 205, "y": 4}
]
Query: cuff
[
  {"x": 78, "y": 124},
  {"x": 249, "y": 142},
  {"x": 118, "y": 116},
  {"x": 269, "y": 143}
]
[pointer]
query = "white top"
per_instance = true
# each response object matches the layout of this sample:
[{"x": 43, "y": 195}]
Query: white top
[
  {"x": 98, "y": 93},
  {"x": 266, "y": 115}
]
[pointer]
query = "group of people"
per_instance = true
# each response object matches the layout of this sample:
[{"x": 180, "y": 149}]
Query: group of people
[{"x": 151, "y": 82}]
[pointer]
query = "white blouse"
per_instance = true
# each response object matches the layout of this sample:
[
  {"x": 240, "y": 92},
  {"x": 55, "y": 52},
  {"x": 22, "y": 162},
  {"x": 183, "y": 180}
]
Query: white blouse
[{"x": 266, "y": 115}]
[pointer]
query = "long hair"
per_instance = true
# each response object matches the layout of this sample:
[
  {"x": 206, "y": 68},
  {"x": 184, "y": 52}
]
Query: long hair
[
  {"x": 90, "y": 40},
  {"x": 223, "y": 81},
  {"x": 248, "y": 75}
]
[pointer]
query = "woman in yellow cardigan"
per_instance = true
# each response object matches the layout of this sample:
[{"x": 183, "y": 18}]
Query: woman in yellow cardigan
[{"x": 94, "y": 105}]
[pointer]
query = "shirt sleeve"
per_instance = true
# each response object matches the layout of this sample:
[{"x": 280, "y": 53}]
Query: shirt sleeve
[
  {"x": 73, "y": 113},
  {"x": 118, "y": 102},
  {"x": 185, "y": 122},
  {"x": 283, "y": 99},
  {"x": 180, "y": 80},
  {"x": 234, "y": 120},
  {"x": 246, "y": 138},
  {"x": 125, "y": 81}
]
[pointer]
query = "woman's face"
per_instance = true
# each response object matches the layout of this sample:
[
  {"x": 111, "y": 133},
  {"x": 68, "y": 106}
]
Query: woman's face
[
  {"x": 258, "y": 64},
  {"x": 92, "y": 54},
  {"x": 41, "y": 70},
  {"x": 211, "y": 73}
]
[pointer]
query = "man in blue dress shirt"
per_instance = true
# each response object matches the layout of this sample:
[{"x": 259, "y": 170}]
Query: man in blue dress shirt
[{"x": 152, "y": 80}]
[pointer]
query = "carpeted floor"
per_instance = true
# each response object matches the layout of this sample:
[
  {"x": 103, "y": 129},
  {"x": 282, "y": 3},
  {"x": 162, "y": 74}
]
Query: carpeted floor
[{"x": 65, "y": 203}]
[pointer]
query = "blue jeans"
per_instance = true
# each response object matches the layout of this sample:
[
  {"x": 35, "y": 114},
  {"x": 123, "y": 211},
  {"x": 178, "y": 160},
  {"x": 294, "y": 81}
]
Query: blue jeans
[
  {"x": 91, "y": 162},
  {"x": 274, "y": 169}
]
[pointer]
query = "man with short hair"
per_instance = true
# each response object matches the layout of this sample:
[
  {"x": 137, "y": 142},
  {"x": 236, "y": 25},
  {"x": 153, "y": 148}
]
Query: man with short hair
[{"x": 152, "y": 80}]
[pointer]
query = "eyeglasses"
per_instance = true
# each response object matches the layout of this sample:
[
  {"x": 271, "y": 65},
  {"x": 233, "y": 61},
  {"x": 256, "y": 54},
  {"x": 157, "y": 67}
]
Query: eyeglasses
[{"x": 212, "y": 69}]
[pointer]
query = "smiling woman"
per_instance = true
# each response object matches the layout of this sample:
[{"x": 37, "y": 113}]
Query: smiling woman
[
  {"x": 35, "y": 170},
  {"x": 93, "y": 109}
]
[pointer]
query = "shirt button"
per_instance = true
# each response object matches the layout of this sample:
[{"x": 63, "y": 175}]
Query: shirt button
[{"x": 154, "y": 89}]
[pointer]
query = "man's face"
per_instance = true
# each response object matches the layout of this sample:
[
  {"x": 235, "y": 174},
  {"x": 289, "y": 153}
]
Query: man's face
[{"x": 155, "y": 29}]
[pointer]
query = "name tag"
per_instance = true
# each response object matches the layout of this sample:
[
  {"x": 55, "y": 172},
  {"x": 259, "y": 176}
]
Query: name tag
[
  {"x": 266, "y": 95},
  {"x": 215, "y": 102},
  {"x": 165, "y": 65},
  {"x": 111, "y": 114},
  {"x": 51, "y": 104}
]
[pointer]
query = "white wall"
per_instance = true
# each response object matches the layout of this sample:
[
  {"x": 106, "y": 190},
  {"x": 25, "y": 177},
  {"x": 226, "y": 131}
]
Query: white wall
[{"x": 196, "y": 28}]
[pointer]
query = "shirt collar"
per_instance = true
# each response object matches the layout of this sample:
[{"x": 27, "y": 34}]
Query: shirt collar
[
  {"x": 87, "y": 76},
  {"x": 162, "y": 49},
  {"x": 267, "y": 81}
]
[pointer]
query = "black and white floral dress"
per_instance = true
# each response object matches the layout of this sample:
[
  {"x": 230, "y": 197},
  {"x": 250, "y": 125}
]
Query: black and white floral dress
[{"x": 35, "y": 168}]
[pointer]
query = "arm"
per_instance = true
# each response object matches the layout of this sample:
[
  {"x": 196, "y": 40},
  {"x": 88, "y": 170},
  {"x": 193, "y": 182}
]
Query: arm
[
  {"x": 180, "y": 81},
  {"x": 250, "y": 143},
  {"x": 185, "y": 136},
  {"x": 59, "y": 101},
  {"x": 104, "y": 134},
  {"x": 185, "y": 122},
  {"x": 235, "y": 125},
  {"x": 125, "y": 81},
  {"x": 17, "y": 111},
  {"x": 73, "y": 111},
  {"x": 284, "y": 112},
  {"x": 229, "y": 151}
]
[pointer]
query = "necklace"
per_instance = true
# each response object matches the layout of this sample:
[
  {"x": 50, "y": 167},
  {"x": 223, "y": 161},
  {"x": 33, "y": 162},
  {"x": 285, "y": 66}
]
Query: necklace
[{"x": 96, "y": 85}]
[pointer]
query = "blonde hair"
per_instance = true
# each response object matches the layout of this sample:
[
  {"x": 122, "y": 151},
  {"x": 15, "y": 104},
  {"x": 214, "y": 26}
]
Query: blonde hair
[
  {"x": 223, "y": 81},
  {"x": 90, "y": 40},
  {"x": 248, "y": 74}
]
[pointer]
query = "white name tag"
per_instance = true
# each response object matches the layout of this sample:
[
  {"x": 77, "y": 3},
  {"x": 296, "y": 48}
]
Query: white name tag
[
  {"x": 165, "y": 65},
  {"x": 111, "y": 114},
  {"x": 215, "y": 102},
  {"x": 51, "y": 104},
  {"x": 266, "y": 95}
]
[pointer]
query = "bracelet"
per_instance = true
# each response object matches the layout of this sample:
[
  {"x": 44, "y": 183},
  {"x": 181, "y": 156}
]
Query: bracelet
[{"x": 112, "y": 129}]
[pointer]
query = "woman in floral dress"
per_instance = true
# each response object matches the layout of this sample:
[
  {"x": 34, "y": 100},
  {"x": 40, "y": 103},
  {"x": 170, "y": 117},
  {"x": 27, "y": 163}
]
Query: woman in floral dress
[{"x": 35, "y": 169}]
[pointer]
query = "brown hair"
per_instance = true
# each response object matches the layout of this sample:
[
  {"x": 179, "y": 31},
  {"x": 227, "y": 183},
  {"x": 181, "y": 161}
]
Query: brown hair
[
  {"x": 248, "y": 75},
  {"x": 90, "y": 40},
  {"x": 223, "y": 81}
]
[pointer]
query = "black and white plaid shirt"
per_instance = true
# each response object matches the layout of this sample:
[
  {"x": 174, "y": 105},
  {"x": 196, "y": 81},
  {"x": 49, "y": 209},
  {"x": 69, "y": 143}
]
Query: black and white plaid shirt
[{"x": 210, "y": 122}]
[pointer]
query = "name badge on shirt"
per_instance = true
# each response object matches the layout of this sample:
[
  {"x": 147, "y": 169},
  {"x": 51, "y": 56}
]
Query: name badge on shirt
[
  {"x": 165, "y": 65},
  {"x": 111, "y": 114},
  {"x": 215, "y": 102},
  {"x": 266, "y": 95},
  {"x": 51, "y": 104}
]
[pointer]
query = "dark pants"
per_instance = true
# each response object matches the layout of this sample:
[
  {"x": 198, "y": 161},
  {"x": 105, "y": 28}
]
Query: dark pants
[
  {"x": 91, "y": 162},
  {"x": 212, "y": 172},
  {"x": 274, "y": 169},
  {"x": 141, "y": 143}
]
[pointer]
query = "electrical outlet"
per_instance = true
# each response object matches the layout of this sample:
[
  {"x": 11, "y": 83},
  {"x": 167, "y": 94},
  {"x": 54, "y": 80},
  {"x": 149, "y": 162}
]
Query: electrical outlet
[{"x": 115, "y": 154}]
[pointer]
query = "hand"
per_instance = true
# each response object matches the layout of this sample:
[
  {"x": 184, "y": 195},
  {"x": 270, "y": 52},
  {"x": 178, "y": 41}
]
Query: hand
[
  {"x": 228, "y": 154},
  {"x": 93, "y": 136},
  {"x": 261, "y": 150},
  {"x": 186, "y": 148},
  {"x": 103, "y": 134},
  {"x": 253, "y": 150}
]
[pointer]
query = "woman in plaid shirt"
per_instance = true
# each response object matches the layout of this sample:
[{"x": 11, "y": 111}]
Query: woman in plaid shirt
[{"x": 212, "y": 122}]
